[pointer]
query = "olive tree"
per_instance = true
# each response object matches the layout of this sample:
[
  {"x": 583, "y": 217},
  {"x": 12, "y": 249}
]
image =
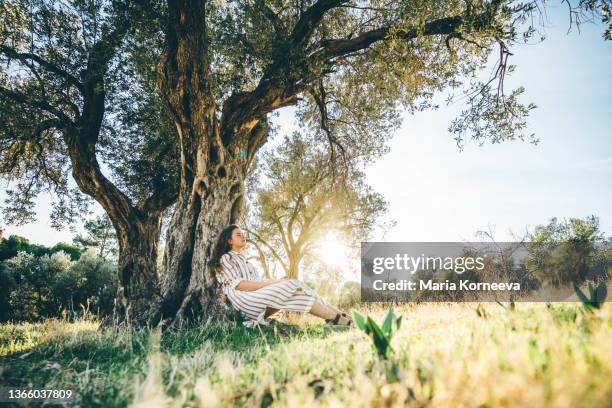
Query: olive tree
[
  {"x": 348, "y": 66},
  {"x": 303, "y": 196},
  {"x": 78, "y": 101}
]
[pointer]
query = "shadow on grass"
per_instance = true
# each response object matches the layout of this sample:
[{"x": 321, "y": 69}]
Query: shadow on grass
[{"x": 109, "y": 353}]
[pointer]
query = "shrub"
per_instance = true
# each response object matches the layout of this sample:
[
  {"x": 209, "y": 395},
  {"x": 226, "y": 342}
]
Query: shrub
[
  {"x": 31, "y": 297},
  {"x": 100, "y": 284},
  {"x": 34, "y": 287}
]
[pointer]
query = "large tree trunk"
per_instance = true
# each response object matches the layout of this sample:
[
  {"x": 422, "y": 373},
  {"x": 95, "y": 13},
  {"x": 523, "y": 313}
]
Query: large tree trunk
[
  {"x": 138, "y": 298},
  {"x": 212, "y": 175},
  {"x": 189, "y": 287}
]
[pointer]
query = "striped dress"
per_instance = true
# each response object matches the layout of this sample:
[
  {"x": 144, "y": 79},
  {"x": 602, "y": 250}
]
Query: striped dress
[{"x": 286, "y": 295}]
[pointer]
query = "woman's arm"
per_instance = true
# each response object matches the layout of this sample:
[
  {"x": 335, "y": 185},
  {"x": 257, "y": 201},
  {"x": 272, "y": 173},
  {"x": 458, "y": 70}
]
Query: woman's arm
[{"x": 249, "y": 286}]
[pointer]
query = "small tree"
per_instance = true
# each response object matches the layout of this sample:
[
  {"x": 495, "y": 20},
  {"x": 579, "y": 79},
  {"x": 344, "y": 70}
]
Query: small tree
[
  {"x": 101, "y": 235},
  {"x": 568, "y": 252},
  {"x": 305, "y": 196}
]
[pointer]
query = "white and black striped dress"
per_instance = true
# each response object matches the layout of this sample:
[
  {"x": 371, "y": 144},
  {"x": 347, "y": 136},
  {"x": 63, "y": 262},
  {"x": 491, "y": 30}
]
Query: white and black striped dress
[{"x": 285, "y": 295}]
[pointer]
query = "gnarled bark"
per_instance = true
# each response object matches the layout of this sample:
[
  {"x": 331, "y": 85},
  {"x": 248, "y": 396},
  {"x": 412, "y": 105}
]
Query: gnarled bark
[
  {"x": 138, "y": 298},
  {"x": 211, "y": 173},
  {"x": 189, "y": 287},
  {"x": 138, "y": 231}
]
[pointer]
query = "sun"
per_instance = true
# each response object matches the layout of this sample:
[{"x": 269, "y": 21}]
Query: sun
[{"x": 332, "y": 251}]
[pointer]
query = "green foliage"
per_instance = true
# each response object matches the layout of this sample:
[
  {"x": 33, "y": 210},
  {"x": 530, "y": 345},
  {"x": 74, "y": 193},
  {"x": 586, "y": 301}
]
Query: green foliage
[
  {"x": 569, "y": 252},
  {"x": 74, "y": 252},
  {"x": 14, "y": 244},
  {"x": 100, "y": 282},
  {"x": 51, "y": 53},
  {"x": 381, "y": 335},
  {"x": 8, "y": 282},
  {"x": 101, "y": 235},
  {"x": 596, "y": 296},
  {"x": 36, "y": 287},
  {"x": 31, "y": 297}
]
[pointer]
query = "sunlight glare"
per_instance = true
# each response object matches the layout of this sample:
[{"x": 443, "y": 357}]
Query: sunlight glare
[{"x": 332, "y": 252}]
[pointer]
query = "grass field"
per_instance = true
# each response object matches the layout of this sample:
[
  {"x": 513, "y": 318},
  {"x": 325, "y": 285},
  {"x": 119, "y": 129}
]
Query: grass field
[{"x": 459, "y": 355}]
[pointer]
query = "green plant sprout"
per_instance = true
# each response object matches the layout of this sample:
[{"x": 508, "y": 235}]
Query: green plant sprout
[
  {"x": 597, "y": 296},
  {"x": 381, "y": 335}
]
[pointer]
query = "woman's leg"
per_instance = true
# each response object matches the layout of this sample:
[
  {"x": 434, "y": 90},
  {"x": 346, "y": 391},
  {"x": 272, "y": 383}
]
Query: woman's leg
[
  {"x": 325, "y": 312},
  {"x": 320, "y": 300},
  {"x": 306, "y": 301}
]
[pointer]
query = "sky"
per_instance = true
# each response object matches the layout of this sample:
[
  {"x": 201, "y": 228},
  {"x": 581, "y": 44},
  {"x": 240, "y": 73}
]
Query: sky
[{"x": 438, "y": 193}]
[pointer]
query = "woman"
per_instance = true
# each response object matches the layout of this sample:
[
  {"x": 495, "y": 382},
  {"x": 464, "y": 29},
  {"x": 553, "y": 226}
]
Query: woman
[{"x": 259, "y": 299}]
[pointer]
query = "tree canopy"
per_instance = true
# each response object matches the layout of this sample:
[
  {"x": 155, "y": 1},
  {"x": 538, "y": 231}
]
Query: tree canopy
[{"x": 77, "y": 91}]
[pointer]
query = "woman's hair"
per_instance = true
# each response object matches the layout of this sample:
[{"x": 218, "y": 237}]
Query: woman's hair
[{"x": 223, "y": 247}]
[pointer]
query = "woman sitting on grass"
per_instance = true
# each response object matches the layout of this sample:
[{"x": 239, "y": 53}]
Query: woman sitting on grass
[{"x": 259, "y": 299}]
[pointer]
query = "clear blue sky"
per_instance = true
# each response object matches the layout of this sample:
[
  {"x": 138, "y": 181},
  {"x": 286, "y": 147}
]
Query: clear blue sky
[{"x": 437, "y": 193}]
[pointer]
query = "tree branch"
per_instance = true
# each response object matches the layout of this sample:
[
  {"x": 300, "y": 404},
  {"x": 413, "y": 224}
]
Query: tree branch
[
  {"x": 276, "y": 89},
  {"x": 271, "y": 248},
  {"x": 240, "y": 111},
  {"x": 262, "y": 259},
  {"x": 281, "y": 231},
  {"x": 22, "y": 98},
  {"x": 271, "y": 16},
  {"x": 160, "y": 200},
  {"x": 339, "y": 47},
  {"x": 310, "y": 19},
  {"x": 293, "y": 217},
  {"x": 319, "y": 97},
  {"x": 24, "y": 57}
]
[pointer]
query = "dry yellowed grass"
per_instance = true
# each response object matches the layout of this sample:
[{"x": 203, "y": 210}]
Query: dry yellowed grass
[{"x": 448, "y": 357}]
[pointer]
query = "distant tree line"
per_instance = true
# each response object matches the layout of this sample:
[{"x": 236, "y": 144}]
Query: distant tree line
[
  {"x": 561, "y": 253},
  {"x": 40, "y": 282},
  {"x": 14, "y": 244}
]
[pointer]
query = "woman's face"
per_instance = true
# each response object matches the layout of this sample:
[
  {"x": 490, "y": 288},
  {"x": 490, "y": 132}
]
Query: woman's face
[{"x": 238, "y": 239}]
